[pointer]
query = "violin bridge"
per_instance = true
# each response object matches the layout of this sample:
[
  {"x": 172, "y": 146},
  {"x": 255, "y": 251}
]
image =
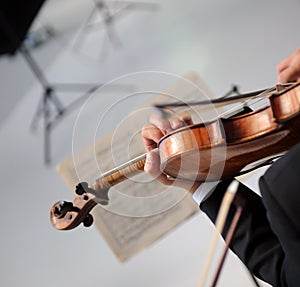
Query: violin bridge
[{"x": 279, "y": 88}]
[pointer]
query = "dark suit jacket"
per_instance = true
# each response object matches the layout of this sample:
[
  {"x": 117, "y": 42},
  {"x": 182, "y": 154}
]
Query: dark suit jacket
[{"x": 267, "y": 238}]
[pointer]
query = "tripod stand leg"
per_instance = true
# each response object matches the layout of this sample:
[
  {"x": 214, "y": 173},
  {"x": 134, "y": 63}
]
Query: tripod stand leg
[
  {"x": 56, "y": 102},
  {"x": 47, "y": 144},
  {"x": 37, "y": 115},
  {"x": 47, "y": 128},
  {"x": 108, "y": 18}
]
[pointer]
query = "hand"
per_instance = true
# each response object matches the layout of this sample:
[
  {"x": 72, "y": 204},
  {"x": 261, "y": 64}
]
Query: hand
[
  {"x": 151, "y": 134},
  {"x": 288, "y": 70}
]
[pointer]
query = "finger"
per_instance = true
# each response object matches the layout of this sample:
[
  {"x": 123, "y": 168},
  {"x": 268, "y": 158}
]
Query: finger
[
  {"x": 283, "y": 65},
  {"x": 180, "y": 121},
  {"x": 151, "y": 136},
  {"x": 152, "y": 167},
  {"x": 287, "y": 68},
  {"x": 187, "y": 120},
  {"x": 162, "y": 123},
  {"x": 290, "y": 74},
  {"x": 170, "y": 123}
]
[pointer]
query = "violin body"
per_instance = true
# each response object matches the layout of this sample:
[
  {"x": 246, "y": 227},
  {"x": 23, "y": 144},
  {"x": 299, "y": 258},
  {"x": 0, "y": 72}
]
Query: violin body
[{"x": 222, "y": 148}]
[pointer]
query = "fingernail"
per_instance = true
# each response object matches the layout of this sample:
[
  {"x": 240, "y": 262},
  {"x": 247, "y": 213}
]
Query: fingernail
[
  {"x": 148, "y": 163},
  {"x": 148, "y": 157},
  {"x": 176, "y": 123}
]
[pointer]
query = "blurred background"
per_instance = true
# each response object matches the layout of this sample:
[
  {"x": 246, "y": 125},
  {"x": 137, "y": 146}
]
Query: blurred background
[{"x": 226, "y": 43}]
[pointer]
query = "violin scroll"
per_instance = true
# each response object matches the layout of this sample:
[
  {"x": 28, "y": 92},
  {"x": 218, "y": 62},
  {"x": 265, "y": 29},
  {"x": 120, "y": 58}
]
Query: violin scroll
[{"x": 66, "y": 215}]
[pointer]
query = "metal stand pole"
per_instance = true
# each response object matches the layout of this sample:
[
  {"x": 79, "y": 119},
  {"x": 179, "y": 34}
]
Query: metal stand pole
[
  {"x": 49, "y": 98},
  {"x": 109, "y": 11}
]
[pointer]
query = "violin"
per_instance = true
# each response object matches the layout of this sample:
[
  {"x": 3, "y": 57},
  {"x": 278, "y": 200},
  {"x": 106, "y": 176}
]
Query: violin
[{"x": 209, "y": 151}]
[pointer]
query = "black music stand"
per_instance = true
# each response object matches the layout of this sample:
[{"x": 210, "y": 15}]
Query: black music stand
[
  {"x": 109, "y": 10},
  {"x": 16, "y": 17}
]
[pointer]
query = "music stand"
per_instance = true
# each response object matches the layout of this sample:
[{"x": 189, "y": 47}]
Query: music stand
[
  {"x": 16, "y": 18},
  {"x": 109, "y": 10}
]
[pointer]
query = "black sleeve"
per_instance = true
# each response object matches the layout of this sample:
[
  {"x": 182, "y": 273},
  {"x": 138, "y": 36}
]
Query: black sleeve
[
  {"x": 281, "y": 195},
  {"x": 254, "y": 241}
]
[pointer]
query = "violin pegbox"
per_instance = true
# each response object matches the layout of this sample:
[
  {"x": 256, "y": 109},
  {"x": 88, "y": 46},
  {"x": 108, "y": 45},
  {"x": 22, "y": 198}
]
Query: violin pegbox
[{"x": 101, "y": 195}]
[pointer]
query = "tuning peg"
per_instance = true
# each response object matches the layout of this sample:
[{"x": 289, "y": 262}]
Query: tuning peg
[
  {"x": 101, "y": 194},
  {"x": 81, "y": 188},
  {"x": 88, "y": 221},
  {"x": 62, "y": 207}
]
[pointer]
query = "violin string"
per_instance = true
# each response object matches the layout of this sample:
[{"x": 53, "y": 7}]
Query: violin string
[
  {"x": 221, "y": 100},
  {"x": 259, "y": 97},
  {"x": 216, "y": 104}
]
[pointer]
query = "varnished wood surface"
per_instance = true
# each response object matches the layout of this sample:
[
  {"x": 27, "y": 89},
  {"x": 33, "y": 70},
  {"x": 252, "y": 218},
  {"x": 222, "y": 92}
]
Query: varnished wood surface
[{"x": 220, "y": 149}]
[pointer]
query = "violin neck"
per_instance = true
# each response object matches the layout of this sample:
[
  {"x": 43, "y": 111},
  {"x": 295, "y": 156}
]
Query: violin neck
[{"x": 120, "y": 173}]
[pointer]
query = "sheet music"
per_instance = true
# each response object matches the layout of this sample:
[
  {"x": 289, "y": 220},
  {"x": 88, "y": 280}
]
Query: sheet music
[{"x": 140, "y": 210}]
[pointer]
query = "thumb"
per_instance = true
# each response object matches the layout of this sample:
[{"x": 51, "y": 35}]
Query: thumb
[{"x": 152, "y": 164}]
